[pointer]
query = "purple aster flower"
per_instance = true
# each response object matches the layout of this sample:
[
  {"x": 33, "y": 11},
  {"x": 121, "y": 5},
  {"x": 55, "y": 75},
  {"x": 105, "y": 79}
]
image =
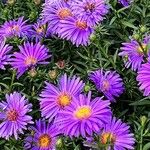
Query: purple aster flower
[
  {"x": 14, "y": 28},
  {"x": 13, "y": 115},
  {"x": 54, "y": 13},
  {"x": 91, "y": 10},
  {"x": 143, "y": 78},
  {"x": 118, "y": 135},
  {"x": 4, "y": 56},
  {"x": 125, "y": 2},
  {"x": 84, "y": 116},
  {"x": 40, "y": 31},
  {"x": 75, "y": 30},
  {"x": 133, "y": 53},
  {"x": 43, "y": 138},
  {"x": 53, "y": 99},
  {"x": 29, "y": 56},
  {"x": 109, "y": 83}
]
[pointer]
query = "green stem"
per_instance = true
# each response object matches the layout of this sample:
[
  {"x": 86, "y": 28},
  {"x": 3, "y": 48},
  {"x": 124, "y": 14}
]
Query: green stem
[
  {"x": 12, "y": 80},
  {"x": 12, "y": 10},
  {"x": 141, "y": 139}
]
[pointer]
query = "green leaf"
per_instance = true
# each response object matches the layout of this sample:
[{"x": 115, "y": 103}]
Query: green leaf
[
  {"x": 128, "y": 24},
  {"x": 146, "y": 146}
]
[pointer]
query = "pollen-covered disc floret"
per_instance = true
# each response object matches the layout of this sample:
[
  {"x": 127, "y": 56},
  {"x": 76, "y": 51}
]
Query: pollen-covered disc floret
[
  {"x": 53, "y": 99},
  {"x": 13, "y": 115},
  {"x": 84, "y": 116}
]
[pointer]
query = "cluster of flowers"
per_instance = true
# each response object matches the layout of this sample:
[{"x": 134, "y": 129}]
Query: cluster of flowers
[
  {"x": 74, "y": 20},
  {"x": 136, "y": 54},
  {"x": 69, "y": 112}
]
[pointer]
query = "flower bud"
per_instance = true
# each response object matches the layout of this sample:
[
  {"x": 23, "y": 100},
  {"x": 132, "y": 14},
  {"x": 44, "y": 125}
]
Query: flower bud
[
  {"x": 143, "y": 29},
  {"x": 87, "y": 88},
  {"x": 11, "y": 2},
  {"x": 61, "y": 64},
  {"x": 143, "y": 120},
  {"x": 37, "y": 2},
  {"x": 92, "y": 37},
  {"x": 136, "y": 36},
  {"x": 59, "y": 143},
  {"x": 52, "y": 74},
  {"x": 32, "y": 72}
]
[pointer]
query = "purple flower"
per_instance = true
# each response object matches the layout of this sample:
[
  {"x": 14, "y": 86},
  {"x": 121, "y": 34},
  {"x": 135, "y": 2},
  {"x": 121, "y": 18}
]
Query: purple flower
[
  {"x": 118, "y": 135},
  {"x": 133, "y": 53},
  {"x": 53, "y": 99},
  {"x": 125, "y": 2},
  {"x": 29, "y": 56},
  {"x": 13, "y": 115},
  {"x": 54, "y": 13},
  {"x": 84, "y": 116},
  {"x": 91, "y": 10},
  {"x": 40, "y": 31},
  {"x": 43, "y": 137},
  {"x": 13, "y": 28},
  {"x": 75, "y": 30},
  {"x": 4, "y": 56},
  {"x": 109, "y": 83},
  {"x": 143, "y": 78}
]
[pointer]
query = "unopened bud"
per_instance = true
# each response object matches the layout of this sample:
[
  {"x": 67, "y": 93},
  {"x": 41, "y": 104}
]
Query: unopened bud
[
  {"x": 37, "y": 2},
  {"x": 61, "y": 64},
  {"x": 92, "y": 37},
  {"x": 32, "y": 72},
  {"x": 52, "y": 74},
  {"x": 11, "y": 2},
  {"x": 87, "y": 88},
  {"x": 59, "y": 143},
  {"x": 143, "y": 29},
  {"x": 143, "y": 120},
  {"x": 136, "y": 36}
]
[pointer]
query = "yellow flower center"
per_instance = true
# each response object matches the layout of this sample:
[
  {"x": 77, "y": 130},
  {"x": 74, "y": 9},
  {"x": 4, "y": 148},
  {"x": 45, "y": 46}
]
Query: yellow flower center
[
  {"x": 83, "y": 112},
  {"x": 106, "y": 85},
  {"x": 107, "y": 138},
  {"x": 90, "y": 6},
  {"x": 81, "y": 25},
  {"x": 12, "y": 115},
  {"x": 41, "y": 29},
  {"x": 64, "y": 13},
  {"x": 44, "y": 141},
  {"x": 13, "y": 28},
  {"x": 141, "y": 49},
  {"x": 30, "y": 61},
  {"x": 63, "y": 100}
]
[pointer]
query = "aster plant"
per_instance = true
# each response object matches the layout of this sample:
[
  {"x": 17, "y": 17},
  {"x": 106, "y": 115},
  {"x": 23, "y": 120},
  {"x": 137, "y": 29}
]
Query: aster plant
[
  {"x": 54, "y": 13},
  {"x": 15, "y": 28},
  {"x": 44, "y": 136},
  {"x": 135, "y": 52},
  {"x": 117, "y": 136},
  {"x": 53, "y": 99},
  {"x": 93, "y": 11},
  {"x": 109, "y": 83},
  {"x": 4, "y": 54},
  {"x": 29, "y": 57},
  {"x": 84, "y": 116},
  {"x": 14, "y": 115}
]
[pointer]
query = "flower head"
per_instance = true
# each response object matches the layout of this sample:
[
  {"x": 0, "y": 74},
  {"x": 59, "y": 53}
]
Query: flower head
[
  {"x": 109, "y": 83},
  {"x": 4, "y": 56},
  {"x": 125, "y": 2},
  {"x": 54, "y": 13},
  {"x": 134, "y": 52},
  {"x": 143, "y": 78},
  {"x": 76, "y": 30},
  {"x": 44, "y": 137},
  {"x": 29, "y": 56},
  {"x": 84, "y": 116},
  {"x": 40, "y": 30},
  {"x": 117, "y": 134},
  {"x": 53, "y": 99},
  {"x": 92, "y": 10},
  {"x": 13, "y": 115},
  {"x": 15, "y": 28}
]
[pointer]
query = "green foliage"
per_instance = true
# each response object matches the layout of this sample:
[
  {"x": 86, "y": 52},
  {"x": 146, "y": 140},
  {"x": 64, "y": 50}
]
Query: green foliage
[{"x": 119, "y": 25}]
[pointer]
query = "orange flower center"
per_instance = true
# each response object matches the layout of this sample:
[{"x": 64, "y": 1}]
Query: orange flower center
[
  {"x": 64, "y": 13},
  {"x": 14, "y": 28},
  {"x": 44, "y": 141},
  {"x": 90, "y": 6},
  {"x": 41, "y": 29},
  {"x": 63, "y": 100},
  {"x": 106, "y": 85},
  {"x": 12, "y": 115},
  {"x": 81, "y": 25},
  {"x": 107, "y": 138},
  {"x": 30, "y": 61},
  {"x": 83, "y": 112}
]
